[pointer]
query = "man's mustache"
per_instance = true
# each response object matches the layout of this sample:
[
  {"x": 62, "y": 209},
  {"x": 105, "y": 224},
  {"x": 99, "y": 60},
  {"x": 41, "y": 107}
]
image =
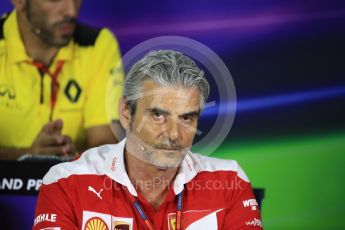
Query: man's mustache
[
  {"x": 67, "y": 20},
  {"x": 168, "y": 145}
]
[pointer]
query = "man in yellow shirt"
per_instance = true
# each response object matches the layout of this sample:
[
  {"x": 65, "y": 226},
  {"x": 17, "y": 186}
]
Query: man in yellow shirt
[{"x": 54, "y": 75}]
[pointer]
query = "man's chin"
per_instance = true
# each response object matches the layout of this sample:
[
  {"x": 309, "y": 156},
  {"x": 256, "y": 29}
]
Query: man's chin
[
  {"x": 168, "y": 162},
  {"x": 169, "y": 166},
  {"x": 62, "y": 42},
  {"x": 165, "y": 168},
  {"x": 58, "y": 40}
]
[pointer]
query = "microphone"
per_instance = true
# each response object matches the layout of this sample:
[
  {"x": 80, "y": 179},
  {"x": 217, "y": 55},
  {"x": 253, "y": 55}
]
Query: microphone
[
  {"x": 37, "y": 31},
  {"x": 141, "y": 147},
  {"x": 137, "y": 141}
]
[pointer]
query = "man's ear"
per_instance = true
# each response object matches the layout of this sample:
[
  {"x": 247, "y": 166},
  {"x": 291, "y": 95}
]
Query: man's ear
[
  {"x": 19, "y": 5},
  {"x": 125, "y": 113}
]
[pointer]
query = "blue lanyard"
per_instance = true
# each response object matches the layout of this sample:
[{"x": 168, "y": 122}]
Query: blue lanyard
[{"x": 178, "y": 213}]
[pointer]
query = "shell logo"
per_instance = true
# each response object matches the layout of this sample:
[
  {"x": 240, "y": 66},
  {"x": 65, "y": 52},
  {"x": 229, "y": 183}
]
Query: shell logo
[{"x": 96, "y": 223}]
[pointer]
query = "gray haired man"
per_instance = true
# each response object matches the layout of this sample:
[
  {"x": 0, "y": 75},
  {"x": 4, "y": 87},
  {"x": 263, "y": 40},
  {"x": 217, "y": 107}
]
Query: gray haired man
[{"x": 151, "y": 180}]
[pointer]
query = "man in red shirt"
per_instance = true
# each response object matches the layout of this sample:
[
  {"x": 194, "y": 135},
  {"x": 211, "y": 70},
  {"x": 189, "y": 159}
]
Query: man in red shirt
[{"x": 151, "y": 180}]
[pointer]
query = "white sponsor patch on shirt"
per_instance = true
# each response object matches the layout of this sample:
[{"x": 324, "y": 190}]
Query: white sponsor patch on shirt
[
  {"x": 45, "y": 217},
  {"x": 102, "y": 218},
  {"x": 122, "y": 222},
  {"x": 105, "y": 220},
  {"x": 255, "y": 222},
  {"x": 251, "y": 202}
]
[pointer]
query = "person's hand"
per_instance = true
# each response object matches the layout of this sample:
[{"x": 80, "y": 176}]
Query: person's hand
[{"x": 50, "y": 141}]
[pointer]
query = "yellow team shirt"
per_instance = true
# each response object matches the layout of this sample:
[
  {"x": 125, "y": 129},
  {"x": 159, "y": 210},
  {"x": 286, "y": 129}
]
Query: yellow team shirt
[{"x": 90, "y": 84}]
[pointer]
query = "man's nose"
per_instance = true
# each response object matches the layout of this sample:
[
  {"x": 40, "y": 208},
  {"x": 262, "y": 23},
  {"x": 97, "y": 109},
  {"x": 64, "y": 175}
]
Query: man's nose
[
  {"x": 70, "y": 8},
  {"x": 172, "y": 129}
]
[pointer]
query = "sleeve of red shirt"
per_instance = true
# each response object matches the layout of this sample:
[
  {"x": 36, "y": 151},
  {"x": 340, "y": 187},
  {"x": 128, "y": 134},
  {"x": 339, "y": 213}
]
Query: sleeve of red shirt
[
  {"x": 243, "y": 211},
  {"x": 53, "y": 209}
]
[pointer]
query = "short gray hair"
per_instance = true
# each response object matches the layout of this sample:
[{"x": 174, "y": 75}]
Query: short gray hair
[{"x": 166, "y": 68}]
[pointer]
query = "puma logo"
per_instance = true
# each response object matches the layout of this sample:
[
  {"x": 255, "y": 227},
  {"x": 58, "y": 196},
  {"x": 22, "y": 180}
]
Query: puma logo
[{"x": 95, "y": 192}]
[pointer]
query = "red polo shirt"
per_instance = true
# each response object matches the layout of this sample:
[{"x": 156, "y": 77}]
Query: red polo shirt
[{"x": 95, "y": 192}]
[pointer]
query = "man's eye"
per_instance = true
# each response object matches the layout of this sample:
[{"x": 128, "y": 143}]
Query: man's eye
[
  {"x": 157, "y": 116},
  {"x": 187, "y": 119}
]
